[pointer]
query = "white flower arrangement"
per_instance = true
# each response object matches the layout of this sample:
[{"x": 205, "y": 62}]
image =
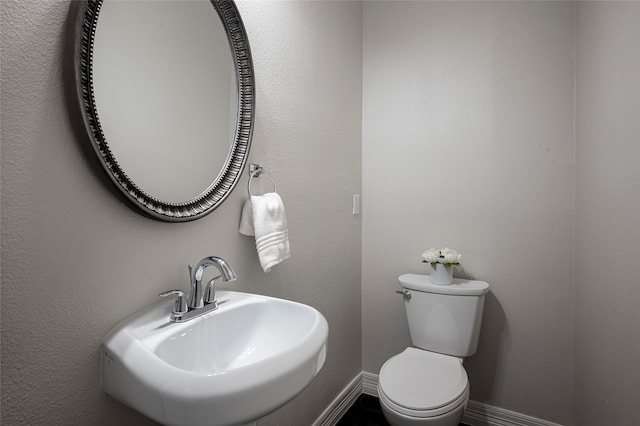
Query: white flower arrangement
[{"x": 448, "y": 257}]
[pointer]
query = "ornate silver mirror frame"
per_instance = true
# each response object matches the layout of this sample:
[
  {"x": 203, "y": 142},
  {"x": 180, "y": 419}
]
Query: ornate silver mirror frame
[{"x": 85, "y": 26}]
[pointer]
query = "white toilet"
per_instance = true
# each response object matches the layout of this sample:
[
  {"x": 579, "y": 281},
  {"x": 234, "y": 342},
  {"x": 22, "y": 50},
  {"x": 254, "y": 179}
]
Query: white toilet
[{"x": 426, "y": 384}]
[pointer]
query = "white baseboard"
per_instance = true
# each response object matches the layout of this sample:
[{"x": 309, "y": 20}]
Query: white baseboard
[
  {"x": 476, "y": 414},
  {"x": 341, "y": 403},
  {"x": 370, "y": 384}
]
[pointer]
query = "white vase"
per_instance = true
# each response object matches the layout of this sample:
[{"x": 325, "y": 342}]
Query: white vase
[{"x": 441, "y": 274}]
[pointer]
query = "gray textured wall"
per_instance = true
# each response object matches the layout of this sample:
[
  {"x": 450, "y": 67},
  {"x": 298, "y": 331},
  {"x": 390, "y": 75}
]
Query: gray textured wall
[
  {"x": 607, "y": 341},
  {"x": 468, "y": 110},
  {"x": 76, "y": 260}
]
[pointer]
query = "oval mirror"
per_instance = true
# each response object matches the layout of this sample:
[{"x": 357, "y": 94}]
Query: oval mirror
[{"x": 166, "y": 91}]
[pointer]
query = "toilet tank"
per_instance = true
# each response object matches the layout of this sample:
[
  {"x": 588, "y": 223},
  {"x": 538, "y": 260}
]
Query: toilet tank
[{"x": 444, "y": 318}]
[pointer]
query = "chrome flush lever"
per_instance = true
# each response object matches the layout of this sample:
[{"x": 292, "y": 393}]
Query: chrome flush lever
[{"x": 405, "y": 293}]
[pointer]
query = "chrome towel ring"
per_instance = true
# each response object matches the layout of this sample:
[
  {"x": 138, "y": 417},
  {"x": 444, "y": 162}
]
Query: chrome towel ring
[{"x": 256, "y": 170}]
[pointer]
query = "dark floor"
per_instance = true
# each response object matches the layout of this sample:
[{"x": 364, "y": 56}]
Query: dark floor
[{"x": 365, "y": 412}]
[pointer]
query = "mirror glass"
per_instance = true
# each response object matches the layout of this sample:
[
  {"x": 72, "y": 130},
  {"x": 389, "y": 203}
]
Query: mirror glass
[
  {"x": 166, "y": 89},
  {"x": 166, "y": 63}
]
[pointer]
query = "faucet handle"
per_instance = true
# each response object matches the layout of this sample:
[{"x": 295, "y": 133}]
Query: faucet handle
[
  {"x": 181, "y": 303},
  {"x": 210, "y": 290}
]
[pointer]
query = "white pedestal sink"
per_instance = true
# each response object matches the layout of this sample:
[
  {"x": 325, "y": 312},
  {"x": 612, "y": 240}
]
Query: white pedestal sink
[{"x": 228, "y": 367}]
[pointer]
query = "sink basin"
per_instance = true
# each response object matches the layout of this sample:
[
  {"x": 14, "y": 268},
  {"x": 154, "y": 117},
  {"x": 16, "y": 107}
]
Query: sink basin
[{"x": 228, "y": 367}]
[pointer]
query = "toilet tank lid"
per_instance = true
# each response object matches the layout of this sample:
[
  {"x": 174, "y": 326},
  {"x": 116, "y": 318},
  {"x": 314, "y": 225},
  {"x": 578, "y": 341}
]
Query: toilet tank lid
[{"x": 460, "y": 287}]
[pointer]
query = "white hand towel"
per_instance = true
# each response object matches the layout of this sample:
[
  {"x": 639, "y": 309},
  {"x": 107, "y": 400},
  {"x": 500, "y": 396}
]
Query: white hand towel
[
  {"x": 246, "y": 220},
  {"x": 270, "y": 227}
]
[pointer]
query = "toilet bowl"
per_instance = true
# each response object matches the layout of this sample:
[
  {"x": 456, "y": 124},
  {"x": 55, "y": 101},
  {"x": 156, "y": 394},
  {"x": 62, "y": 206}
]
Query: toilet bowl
[
  {"x": 418, "y": 387},
  {"x": 426, "y": 383}
]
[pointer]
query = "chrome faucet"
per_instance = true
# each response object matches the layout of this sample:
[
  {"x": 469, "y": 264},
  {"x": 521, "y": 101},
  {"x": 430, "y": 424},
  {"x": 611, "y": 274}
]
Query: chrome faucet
[
  {"x": 200, "y": 302},
  {"x": 198, "y": 299}
]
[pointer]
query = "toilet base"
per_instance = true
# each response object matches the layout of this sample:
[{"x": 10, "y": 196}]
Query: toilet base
[{"x": 451, "y": 418}]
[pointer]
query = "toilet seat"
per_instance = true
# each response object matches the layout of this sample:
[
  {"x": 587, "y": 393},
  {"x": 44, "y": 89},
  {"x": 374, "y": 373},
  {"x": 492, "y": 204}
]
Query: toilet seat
[{"x": 423, "y": 384}]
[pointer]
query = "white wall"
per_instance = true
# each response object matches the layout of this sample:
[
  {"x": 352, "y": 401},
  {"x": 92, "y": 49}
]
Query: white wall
[
  {"x": 607, "y": 343},
  {"x": 76, "y": 260},
  {"x": 468, "y": 143}
]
